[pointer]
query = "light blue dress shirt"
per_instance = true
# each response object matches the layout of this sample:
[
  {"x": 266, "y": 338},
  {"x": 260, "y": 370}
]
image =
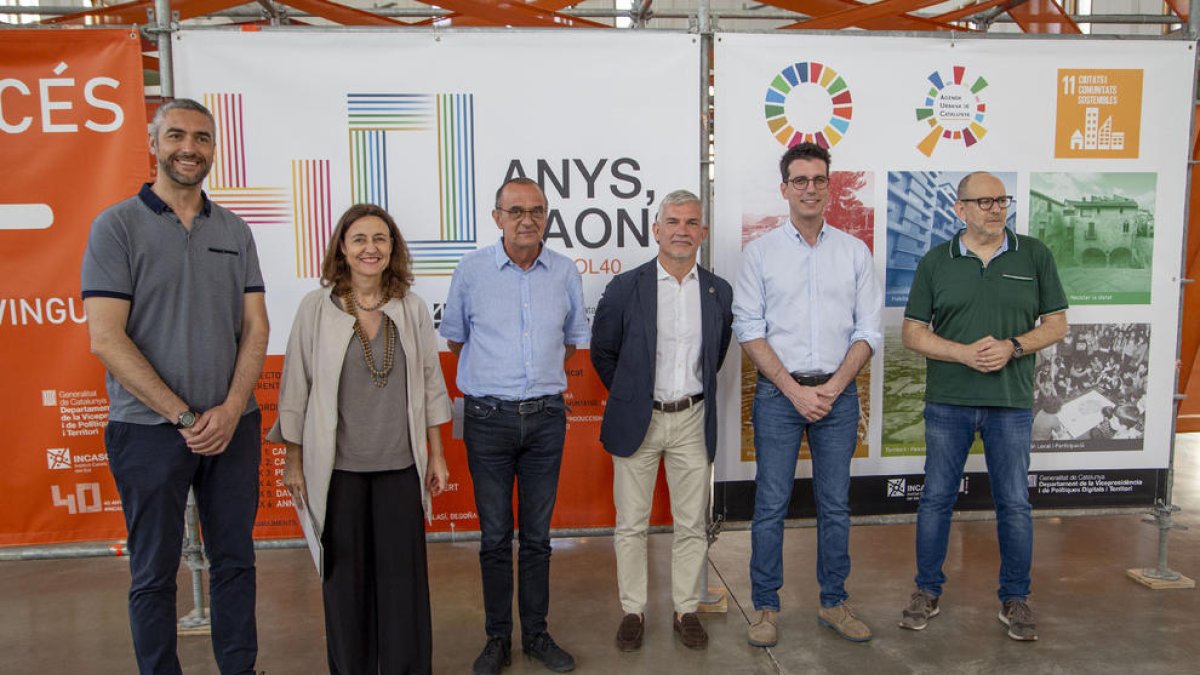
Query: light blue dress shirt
[
  {"x": 514, "y": 323},
  {"x": 811, "y": 303}
]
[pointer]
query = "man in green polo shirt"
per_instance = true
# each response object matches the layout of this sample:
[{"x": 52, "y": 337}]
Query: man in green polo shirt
[{"x": 981, "y": 304}]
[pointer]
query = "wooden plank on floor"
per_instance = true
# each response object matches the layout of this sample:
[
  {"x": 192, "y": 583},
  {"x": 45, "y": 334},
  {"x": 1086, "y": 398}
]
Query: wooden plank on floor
[{"x": 1138, "y": 574}]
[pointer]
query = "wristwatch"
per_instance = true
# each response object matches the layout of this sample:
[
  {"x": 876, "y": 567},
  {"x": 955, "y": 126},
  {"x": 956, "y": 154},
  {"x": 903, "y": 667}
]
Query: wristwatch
[
  {"x": 187, "y": 419},
  {"x": 1018, "y": 351}
]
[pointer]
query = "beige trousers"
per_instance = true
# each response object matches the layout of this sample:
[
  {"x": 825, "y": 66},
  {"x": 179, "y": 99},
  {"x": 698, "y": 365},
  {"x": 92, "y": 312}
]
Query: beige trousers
[{"x": 678, "y": 440}]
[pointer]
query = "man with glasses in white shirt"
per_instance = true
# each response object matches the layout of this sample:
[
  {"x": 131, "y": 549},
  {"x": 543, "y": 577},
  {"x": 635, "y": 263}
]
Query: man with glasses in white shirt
[{"x": 807, "y": 308}]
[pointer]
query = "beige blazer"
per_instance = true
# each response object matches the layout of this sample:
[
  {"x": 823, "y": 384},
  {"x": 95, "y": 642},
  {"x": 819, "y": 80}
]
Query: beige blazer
[{"x": 308, "y": 394}]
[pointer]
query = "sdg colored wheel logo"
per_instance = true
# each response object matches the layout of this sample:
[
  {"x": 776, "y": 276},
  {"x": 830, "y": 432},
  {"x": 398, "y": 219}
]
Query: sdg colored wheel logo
[{"x": 808, "y": 101}]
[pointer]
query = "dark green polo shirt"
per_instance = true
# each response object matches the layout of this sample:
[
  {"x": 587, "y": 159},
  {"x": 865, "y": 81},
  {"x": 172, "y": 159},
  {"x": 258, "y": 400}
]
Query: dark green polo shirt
[{"x": 964, "y": 301}]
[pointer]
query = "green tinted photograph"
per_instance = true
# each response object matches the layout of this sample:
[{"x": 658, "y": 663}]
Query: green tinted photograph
[{"x": 1100, "y": 228}]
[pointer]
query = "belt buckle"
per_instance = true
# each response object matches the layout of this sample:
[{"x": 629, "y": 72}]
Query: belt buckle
[{"x": 529, "y": 407}]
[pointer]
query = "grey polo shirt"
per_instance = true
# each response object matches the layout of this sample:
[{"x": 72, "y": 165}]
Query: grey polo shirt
[{"x": 185, "y": 291}]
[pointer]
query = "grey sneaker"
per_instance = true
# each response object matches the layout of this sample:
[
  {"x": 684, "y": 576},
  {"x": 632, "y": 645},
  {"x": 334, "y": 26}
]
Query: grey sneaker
[
  {"x": 1019, "y": 618},
  {"x": 922, "y": 607}
]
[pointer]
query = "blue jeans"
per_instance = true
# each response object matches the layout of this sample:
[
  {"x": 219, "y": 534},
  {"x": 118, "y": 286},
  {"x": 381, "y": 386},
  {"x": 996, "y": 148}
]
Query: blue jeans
[
  {"x": 154, "y": 468},
  {"x": 503, "y": 444},
  {"x": 949, "y": 432},
  {"x": 778, "y": 428}
]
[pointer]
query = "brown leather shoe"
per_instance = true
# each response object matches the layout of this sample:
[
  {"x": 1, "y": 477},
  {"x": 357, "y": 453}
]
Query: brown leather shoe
[
  {"x": 691, "y": 631},
  {"x": 629, "y": 635}
]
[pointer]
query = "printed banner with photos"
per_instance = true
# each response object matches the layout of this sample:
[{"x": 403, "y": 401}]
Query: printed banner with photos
[{"x": 1091, "y": 139}]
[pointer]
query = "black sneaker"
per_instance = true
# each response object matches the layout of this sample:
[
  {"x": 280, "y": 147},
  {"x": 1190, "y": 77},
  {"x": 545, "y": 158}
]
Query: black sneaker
[
  {"x": 543, "y": 648},
  {"x": 496, "y": 654}
]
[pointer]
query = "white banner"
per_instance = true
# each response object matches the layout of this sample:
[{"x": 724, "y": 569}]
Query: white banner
[
  {"x": 428, "y": 125},
  {"x": 1090, "y": 137}
]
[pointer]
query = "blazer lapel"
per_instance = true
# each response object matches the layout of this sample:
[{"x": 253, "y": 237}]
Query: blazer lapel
[
  {"x": 709, "y": 324},
  {"x": 647, "y": 291}
]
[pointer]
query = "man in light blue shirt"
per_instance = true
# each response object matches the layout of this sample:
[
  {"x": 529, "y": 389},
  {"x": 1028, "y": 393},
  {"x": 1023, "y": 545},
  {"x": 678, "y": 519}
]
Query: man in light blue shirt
[
  {"x": 806, "y": 308},
  {"x": 514, "y": 314}
]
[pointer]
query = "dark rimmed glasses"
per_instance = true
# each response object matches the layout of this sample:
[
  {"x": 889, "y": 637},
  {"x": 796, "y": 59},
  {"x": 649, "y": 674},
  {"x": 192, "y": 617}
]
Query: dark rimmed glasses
[
  {"x": 986, "y": 203},
  {"x": 801, "y": 182}
]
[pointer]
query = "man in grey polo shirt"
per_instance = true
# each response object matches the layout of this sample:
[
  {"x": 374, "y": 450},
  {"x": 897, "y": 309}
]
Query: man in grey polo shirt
[{"x": 176, "y": 312}]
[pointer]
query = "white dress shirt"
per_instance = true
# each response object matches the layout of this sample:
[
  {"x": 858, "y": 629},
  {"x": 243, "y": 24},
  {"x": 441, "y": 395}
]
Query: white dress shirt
[
  {"x": 677, "y": 354},
  {"x": 811, "y": 303}
]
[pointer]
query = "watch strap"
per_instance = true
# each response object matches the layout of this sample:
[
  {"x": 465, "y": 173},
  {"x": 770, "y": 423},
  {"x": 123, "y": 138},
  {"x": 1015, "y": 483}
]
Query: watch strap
[{"x": 1018, "y": 350}]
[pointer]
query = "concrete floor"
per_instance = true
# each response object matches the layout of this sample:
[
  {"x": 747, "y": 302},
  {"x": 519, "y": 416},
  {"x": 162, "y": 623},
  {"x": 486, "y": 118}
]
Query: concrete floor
[{"x": 68, "y": 616}]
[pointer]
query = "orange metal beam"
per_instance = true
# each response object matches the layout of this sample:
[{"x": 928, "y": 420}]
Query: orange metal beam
[
  {"x": 1043, "y": 16},
  {"x": 506, "y": 13},
  {"x": 818, "y": 8},
  {"x": 462, "y": 20},
  {"x": 857, "y": 15},
  {"x": 1189, "y": 342},
  {"x": 969, "y": 10},
  {"x": 346, "y": 16},
  {"x": 1180, "y": 7},
  {"x": 135, "y": 12}
]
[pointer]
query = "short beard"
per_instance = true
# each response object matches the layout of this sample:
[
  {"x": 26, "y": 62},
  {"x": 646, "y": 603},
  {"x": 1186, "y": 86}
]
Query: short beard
[{"x": 164, "y": 165}]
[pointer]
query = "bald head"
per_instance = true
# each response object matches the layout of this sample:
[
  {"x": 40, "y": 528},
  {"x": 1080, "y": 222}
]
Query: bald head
[{"x": 965, "y": 185}]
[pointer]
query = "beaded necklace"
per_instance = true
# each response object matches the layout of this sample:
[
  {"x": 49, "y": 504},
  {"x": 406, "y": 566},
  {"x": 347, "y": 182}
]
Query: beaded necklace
[
  {"x": 382, "y": 301},
  {"x": 379, "y": 376}
]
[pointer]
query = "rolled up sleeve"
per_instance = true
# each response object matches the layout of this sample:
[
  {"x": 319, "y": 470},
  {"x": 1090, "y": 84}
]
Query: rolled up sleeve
[
  {"x": 868, "y": 306},
  {"x": 749, "y": 304}
]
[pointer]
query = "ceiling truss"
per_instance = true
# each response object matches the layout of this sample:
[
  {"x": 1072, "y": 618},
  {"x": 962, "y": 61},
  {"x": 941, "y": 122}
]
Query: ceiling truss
[{"x": 1032, "y": 16}]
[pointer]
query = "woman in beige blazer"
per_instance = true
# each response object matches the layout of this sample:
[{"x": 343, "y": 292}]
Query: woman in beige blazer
[{"x": 361, "y": 402}]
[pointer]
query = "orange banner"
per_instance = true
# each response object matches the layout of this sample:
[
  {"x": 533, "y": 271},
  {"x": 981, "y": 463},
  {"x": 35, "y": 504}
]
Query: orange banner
[
  {"x": 73, "y": 141},
  {"x": 584, "y": 484}
]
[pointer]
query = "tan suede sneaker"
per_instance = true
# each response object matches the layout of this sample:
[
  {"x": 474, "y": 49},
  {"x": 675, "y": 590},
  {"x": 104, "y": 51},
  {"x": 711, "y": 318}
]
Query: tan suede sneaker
[
  {"x": 842, "y": 620},
  {"x": 763, "y": 631}
]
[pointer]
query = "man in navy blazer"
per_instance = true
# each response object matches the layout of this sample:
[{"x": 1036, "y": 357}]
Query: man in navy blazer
[{"x": 659, "y": 337}]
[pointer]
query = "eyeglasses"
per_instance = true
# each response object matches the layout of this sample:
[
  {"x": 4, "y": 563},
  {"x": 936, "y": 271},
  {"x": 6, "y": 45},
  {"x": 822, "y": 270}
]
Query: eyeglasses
[
  {"x": 986, "y": 203},
  {"x": 537, "y": 213},
  {"x": 801, "y": 182}
]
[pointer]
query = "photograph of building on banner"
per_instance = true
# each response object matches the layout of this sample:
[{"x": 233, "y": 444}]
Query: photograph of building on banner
[
  {"x": 851, "y": 209},
  {"x": 920, "y": 215},
  {"x": 1100, "y": 228},
  {"x": 1090, "y": 389}
]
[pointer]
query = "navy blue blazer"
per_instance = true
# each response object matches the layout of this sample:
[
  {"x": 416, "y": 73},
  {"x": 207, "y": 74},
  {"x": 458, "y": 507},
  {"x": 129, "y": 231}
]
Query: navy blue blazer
[{"x": 624, "y": 342}]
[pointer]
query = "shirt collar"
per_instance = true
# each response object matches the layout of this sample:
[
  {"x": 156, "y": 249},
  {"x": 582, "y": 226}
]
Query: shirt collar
[
  {"x": 958, "y": 249},
  {"x": 795, "y": 234},
  {"x": 502, "y": 258},
  {"x": 157, "y": 205},
  {"x": 664, "y": 274}
]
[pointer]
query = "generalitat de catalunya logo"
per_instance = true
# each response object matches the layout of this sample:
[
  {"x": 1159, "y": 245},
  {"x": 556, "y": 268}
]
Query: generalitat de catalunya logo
[
  {"x": 808, "y": 102},
  {"x": 953, "y": 109}
]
